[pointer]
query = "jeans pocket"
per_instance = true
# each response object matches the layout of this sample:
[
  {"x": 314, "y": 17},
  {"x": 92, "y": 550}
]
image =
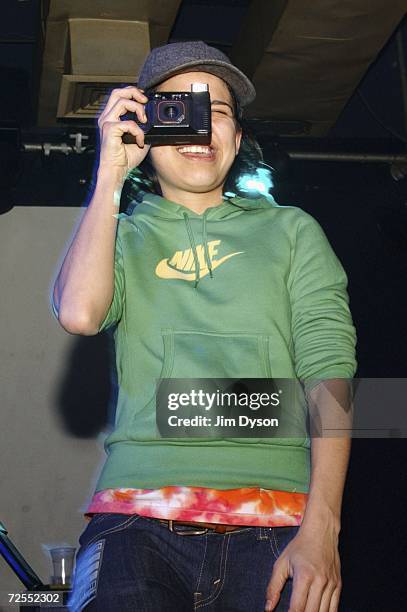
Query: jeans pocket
[
  {"x": 98, "y": 517},
  {"x": 280, "y": 537},
  {"x": 105, "y": 523}
]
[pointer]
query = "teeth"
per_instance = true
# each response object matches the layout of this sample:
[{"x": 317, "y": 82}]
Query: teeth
[{"x": 195, "y": 149}]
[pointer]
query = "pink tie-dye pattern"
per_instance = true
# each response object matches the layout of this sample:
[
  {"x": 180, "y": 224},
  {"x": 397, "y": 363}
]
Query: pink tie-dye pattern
[{"x": 247, "y": 506}]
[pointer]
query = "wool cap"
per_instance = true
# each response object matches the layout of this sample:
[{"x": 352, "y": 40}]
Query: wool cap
[{"x": 171, "y": 59}]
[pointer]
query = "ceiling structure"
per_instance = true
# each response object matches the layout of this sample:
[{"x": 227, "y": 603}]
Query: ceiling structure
[
  {"x": 122, "y": 33},
  {"x": 305, "y": 58}
]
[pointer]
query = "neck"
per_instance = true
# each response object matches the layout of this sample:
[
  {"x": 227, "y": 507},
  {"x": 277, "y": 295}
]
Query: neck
[{"x": 197, "y": 202}]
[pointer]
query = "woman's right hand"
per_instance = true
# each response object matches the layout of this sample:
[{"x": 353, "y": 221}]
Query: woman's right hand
[{"x": 113, "y": 151}]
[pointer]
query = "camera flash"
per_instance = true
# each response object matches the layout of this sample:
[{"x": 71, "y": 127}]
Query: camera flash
[{"x": 197, "y": 87}]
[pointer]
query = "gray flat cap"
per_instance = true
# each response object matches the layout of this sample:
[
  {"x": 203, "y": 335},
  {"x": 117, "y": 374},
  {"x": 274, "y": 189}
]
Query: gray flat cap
[{"x": 166, "y": 61}]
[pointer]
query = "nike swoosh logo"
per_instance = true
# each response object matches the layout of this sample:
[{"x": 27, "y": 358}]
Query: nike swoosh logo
[{"x": 164, "y": 270}]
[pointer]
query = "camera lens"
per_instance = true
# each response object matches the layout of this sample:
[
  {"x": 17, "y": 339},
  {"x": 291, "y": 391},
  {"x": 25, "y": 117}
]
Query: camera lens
[{"x": 171, "y": 112}]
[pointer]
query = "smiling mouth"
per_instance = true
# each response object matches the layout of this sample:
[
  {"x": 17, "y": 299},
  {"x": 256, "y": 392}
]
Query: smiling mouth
[{"x": 197, "y": 152}]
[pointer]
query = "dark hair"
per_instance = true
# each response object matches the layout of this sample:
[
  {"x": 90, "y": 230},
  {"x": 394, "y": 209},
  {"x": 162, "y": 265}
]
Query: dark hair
[{"x": 144, "y": 177}]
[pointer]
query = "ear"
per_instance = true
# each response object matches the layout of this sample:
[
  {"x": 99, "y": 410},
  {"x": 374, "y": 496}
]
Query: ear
[{"x": 239, "y": 133}]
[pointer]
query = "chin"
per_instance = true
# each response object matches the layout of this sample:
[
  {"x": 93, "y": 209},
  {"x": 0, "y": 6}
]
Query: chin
[
  {"x": 200, "y": 186},
  {"x": 201, "y": 181}
]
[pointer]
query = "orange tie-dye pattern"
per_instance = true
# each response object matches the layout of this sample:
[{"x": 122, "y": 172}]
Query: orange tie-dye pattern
[{"x": 248, "y": 506}]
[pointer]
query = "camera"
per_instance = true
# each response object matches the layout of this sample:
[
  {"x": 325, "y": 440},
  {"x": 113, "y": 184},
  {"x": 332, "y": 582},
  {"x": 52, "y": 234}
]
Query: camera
[{"x": 175, "y": 117}]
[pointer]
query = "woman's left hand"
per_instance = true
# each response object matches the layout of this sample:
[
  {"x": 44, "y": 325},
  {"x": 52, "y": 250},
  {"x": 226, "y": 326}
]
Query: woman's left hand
[{"x": 312, "y": 559}]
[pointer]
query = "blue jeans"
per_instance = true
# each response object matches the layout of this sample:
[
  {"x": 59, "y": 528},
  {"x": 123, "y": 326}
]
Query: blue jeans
[{"x": 133, "y": 563}]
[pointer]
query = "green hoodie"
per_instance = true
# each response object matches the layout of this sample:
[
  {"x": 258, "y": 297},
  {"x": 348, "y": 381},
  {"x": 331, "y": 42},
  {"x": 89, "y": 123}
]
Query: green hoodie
[{"x": 248, "y": 289}]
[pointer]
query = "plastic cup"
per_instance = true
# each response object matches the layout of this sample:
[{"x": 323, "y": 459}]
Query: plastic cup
[{"x": 63, "y": 562}]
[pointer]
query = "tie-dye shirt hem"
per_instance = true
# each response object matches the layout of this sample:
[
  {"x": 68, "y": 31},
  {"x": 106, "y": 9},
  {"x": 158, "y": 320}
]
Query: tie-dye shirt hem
[{"x": 248, "y": 506}]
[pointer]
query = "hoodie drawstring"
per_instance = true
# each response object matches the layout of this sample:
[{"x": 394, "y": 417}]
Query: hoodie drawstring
[
  {"x": 206, "y": 250},
  {"x": 194, "y": 250}
]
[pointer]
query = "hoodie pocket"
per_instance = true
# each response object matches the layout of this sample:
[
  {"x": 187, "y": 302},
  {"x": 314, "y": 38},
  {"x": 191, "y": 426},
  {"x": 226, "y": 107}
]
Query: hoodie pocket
[{"x": 196, "y": 354}]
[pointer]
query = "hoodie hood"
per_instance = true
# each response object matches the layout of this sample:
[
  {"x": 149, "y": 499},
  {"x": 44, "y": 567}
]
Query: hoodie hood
[
  {"x": 166, "y": 209},
  {"x": 157, "y": 206}
]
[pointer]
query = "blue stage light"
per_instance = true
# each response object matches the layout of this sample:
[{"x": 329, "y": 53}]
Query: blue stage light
[{"x": 259, "y": 182}]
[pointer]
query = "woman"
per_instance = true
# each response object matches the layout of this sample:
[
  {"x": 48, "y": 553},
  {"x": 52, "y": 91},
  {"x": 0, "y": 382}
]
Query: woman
[{"x": 199, "y": 285}]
